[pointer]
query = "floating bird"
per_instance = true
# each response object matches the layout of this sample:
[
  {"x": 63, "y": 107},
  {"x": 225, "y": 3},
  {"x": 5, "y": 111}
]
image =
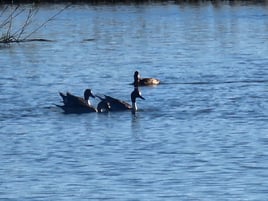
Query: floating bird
[
  {"x": 75, "y": 104},
  {"x": 119, "y": 105},
  {"x": 138, "y": 81},
  {"x": 72, "y": 100}
]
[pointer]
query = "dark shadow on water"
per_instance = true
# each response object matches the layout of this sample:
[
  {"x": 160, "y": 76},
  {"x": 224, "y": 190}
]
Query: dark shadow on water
[{"x": 88, "y": 40}]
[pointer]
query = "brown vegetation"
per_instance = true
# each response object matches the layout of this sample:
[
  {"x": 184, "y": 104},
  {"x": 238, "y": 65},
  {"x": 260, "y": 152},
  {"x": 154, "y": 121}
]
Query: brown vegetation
[{"x": 11, "y": 31}]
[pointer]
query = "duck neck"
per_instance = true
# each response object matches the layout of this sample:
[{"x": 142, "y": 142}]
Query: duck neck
[
  {"x": 88, "y": 102},
  {"x": 134, "y": 107}
]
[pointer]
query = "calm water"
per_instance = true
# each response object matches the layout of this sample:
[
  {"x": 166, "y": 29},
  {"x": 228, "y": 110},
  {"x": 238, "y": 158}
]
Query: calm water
[{"x": 200, "y": 135}]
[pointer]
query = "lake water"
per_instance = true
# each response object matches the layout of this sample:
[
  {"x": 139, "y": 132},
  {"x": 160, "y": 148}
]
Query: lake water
[{"x": 200, "y": 135}]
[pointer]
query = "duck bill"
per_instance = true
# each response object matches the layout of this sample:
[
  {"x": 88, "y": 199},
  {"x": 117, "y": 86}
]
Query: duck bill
[
  {"x": 142, "y": 98},
  {"x": 92, "y": 95}
]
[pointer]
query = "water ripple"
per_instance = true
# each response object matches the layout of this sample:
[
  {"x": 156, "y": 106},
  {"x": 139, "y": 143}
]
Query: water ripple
[{"x": 199, "y": 135}]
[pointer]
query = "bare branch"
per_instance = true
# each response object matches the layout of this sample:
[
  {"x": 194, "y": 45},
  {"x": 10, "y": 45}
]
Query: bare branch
[
  {"x": 11, "y": 15},
  {"x": 3, "y": 11},
  {"x": 9, "y": 36},
  {"x": 31, "y": 13},
  {"x": 48, "y": 20}
]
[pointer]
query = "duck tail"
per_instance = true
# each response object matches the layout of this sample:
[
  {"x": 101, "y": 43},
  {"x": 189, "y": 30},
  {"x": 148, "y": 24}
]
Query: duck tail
[
  {"x": 62, "y": 95},
  {"x": 60, "y": 106}
]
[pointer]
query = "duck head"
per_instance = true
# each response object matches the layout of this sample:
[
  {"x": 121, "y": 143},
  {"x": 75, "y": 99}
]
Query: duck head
[
  {"x": 104, "y": 106},
  {"x": 88, "y": 93},
  {"x": 136, "y": 78},
  {"x": 136, "y": 75}
]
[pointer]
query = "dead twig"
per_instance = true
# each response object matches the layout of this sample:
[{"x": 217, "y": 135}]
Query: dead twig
[
  {"x": 20, "y": 35},
  {"x": 44, "y": 23}
]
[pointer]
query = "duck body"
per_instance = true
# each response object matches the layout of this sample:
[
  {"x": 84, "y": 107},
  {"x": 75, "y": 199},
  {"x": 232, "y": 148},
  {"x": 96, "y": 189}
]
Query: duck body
[
  {"x": 72, "y": 100},
  {"x": 77, "y": 109},
  {"x": 138, "y": 81},
  {"x": 76, "y": 104},
  {"x": 148, "y": 81},
  {"x": 119, "y": 105},
  {"x": 115, "y": 104}
]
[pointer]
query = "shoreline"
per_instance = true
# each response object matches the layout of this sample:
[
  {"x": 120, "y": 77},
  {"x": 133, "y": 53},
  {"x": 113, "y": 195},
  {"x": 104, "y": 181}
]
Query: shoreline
[{"x": 96, "y": 2}]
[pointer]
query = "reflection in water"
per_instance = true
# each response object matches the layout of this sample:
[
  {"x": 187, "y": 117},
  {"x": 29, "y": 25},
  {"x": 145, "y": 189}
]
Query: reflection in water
[{"x": 135, "y": 125}]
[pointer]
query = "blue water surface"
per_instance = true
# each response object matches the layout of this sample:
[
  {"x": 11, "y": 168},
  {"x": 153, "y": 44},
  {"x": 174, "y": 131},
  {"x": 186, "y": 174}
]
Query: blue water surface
[{"x": 202, "y": 134}]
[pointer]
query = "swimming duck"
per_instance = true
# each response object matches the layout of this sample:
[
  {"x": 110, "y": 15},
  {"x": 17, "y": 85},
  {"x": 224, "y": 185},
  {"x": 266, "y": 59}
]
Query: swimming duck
[
  {"x": 119, "y": 105},
  {"x": 72, "y": 100},
  {"x": 138, "y": 81},
  {"x": 75, "y": 104},
  {"x": 115, "y": 104}
]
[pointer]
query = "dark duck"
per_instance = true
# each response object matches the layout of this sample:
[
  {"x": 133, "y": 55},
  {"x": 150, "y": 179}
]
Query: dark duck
[
  {"x": 138, "y": 81},
  {"x": 76, "y": 104},
  {"x": 119, "y": 105}
]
